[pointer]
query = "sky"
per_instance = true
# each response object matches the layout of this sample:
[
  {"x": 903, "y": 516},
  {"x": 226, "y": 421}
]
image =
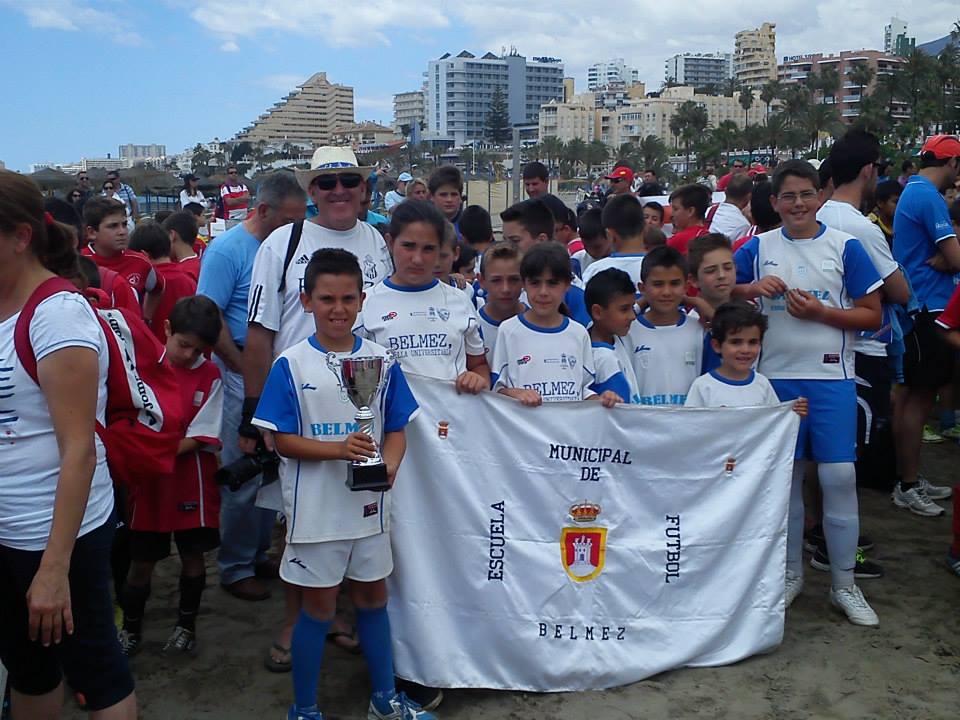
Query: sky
[{"x": 82, "y": 77}]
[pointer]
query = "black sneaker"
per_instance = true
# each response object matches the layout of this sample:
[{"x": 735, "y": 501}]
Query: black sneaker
[
  {"x": 427, "y": 698},
  {"x": 864, "y": 569},
  {"x": 129, "y": 642},
  {"x": 813, "y": 538}
]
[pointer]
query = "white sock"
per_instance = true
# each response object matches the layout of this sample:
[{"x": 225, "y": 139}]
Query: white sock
[{"x": 841, "y": 519}]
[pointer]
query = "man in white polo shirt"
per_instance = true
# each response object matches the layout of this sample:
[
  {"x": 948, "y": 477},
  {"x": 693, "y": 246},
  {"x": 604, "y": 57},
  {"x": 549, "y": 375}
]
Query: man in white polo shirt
[{"x": 398, "y": 194}]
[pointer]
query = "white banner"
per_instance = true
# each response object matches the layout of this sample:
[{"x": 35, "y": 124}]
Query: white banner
[{"x": 571, "y": 547}]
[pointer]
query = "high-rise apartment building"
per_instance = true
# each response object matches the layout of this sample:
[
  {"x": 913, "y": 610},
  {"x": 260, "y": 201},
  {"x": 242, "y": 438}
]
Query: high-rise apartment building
[
  {"x": 755, "y": 56},
  {"x": 459, "y": 90},
  {"x": 699, "y": 69},
  {"x": 408, "y": 109},
  {"x": 614, "y": 71},
  {"x": 143, "y": 152},
  {"x": 309, "y": 113},
  {"x": 891, "y": 32}
]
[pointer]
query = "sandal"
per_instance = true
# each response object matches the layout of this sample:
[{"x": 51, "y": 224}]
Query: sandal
[
  {"x": 345, "y": 640},
  {"x": 278, "y": 666}
]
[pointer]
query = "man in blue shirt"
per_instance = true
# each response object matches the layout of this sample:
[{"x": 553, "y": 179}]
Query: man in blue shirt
[
  {"x": 225, "y": 278},
  {"x": 925, "y": 244}
]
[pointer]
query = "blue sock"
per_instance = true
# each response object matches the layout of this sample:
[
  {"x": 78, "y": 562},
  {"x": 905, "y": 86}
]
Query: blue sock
[
  {"x": 306, "y": 651},
  {"x": 373, "y": 630}
]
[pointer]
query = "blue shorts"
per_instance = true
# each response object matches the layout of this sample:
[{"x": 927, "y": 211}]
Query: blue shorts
[{"x": 829, "y": 432}]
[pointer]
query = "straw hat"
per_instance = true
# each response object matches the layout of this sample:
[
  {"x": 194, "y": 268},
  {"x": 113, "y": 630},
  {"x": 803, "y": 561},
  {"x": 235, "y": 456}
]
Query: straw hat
[{"x": 328, "y": 159}]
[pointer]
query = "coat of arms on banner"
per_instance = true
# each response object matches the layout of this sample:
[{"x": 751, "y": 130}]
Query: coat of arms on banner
[{"x": 583, "y": 549}]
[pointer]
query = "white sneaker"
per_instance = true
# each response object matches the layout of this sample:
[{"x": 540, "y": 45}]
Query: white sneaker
[
  {"x": 401, "y": 708},
  {"x": 854, "y": 606},
  {"x": 934, "y": 492},
  {"x": 916, "y": 501},
  {"x": 792, "y": 587}
]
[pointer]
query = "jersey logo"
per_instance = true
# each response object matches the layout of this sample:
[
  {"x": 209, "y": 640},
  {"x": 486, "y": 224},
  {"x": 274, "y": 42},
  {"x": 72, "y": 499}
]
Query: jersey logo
[
  {"x": 198, "y": 398},
  {"x": 134, "y": 279},
  {"x": 370, "y": 510},
  {"x": 524, "y": 360},
  {"x": 298, "y": 562},
  {"x": 389, "y": 316},
  {"x": 583, "y": 549},
  {"x": 369, "y": 267},
  {"x": 642, "y": 348},
  {"x": 443, "y": 429},
  {"x": 567, "y": 362},
  {"x": 308, "y": 386},
  {"x": 831, "y": 359},
  {"x": 302, "y": 260},
  {"x": 770, "y": 263}
]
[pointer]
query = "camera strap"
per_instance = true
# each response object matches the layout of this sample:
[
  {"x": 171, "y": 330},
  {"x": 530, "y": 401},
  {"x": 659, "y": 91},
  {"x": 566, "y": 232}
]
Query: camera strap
[{"x": 295, "y": 232}]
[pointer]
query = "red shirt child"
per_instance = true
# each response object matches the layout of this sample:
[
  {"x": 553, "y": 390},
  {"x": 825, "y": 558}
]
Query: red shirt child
[{"x": 176, "y": 284}]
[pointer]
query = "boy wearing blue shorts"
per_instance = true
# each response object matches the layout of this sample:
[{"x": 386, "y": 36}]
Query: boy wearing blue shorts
[
  {"x": 334, "y": 533},
  {"x": 818, "y": 287}
]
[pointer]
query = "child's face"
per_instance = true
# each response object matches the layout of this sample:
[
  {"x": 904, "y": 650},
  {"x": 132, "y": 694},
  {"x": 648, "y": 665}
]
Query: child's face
[
  {"x": 184, "y": 349},
  {"x": 447, "y": 200},
  {"x": 334, "y": 301},
  {"x": 111, "y": 237},
  {"x": 535, "y": 187},
  {"x": 516, "y": 233},
  {"x": 716, "y": 276},
  {"x": 418, "y": 192},
  {"x": 545, "y": 293},
  {"x": 683, "y": 217},
  {"x": 664, "y": 289},
  {"x": 598, "y": 247},
  {"x": 446, "y": 257},
  {"x": 415, "y": 253},
  {"x": 888, "y": 207},
  {"x": 740, "y": 349},
  {"x": 797, "y": 205},
  {"x": 501, "y": 279},
  {"x": 652, "y": 217},
  {"x": 615, "y": 317}
]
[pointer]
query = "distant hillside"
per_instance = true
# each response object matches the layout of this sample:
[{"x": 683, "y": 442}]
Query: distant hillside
[{"x": 935, "y": 47}]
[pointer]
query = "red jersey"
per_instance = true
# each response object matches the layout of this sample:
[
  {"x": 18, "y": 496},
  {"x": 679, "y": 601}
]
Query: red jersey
[
  {"x": 575, "y": 246},
  {"x": 190, "y": 498},
  {"x": 176, "y": 284},
  {"x": 200, "y": 244},
  {"x": 134, "y": 266},
  {"x": 949, "y": 319},
  {"x": 191, "y": 267},
  {"x": 119, "y": 294},
  {"x": 680, "y": 240}
]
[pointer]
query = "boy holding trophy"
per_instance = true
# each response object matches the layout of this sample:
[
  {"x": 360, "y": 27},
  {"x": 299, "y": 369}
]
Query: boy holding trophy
[{"x": 338, "y": 405}]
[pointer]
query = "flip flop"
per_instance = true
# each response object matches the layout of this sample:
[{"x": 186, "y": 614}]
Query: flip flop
[
  {"x": 278, "y": 666},
  {"x": 346, "y": 641}
]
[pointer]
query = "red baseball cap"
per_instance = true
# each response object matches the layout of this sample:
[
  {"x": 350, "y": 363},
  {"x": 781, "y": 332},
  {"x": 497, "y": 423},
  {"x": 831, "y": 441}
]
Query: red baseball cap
[
  {"x": 621, "y": 172},
  {"x": 942, "y": 147},
  {"x": 756, "y": 169}
]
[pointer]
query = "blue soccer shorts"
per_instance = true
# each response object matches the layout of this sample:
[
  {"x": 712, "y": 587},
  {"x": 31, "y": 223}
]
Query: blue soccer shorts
[{"x": 829, "y": 432}]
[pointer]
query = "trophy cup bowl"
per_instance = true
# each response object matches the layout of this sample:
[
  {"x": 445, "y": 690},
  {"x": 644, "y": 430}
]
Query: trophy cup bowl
[{"x": 361, "y": 379}]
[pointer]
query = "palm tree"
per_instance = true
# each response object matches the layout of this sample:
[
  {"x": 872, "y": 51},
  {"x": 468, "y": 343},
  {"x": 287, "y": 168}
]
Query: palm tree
[
  {"x": 918, "y": 85},
  {"x": 626, "y": 154},
  {"x": 948, "y": 79},
  {"x": 597, "y": 154},
  {"x": 746, "y": 102},
  {"x": 726, "y": 134},
  {"x": 653, "y": 154},
  {"x": 574, "y": 153},
  {"x": 828, "y": 83},
  {"x": 770, "y": 92},
  {"x": 688, "y": 123},
  {"x": 752, "y": 137},
  {"x": 861, "y": 75},
  {"x": 551, "y": 148},
  {"x": 819, "y": 118},
  {"x": 775, "y": 130}
]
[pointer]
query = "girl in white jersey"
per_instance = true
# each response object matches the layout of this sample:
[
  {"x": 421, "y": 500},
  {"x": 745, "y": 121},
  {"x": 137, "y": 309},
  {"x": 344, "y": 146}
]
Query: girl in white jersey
[{"x": 540, "y": 355}]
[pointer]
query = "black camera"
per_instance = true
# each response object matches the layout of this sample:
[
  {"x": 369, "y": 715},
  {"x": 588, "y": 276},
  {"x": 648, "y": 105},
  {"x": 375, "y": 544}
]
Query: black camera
[{"x": 262, "y": 462}]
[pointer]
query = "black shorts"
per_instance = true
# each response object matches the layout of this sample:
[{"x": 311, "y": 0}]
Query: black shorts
[
  {"x": 91, "y": 658},
  {"x": 928, "y": 361},
  {"x": 155, "y": 546}
]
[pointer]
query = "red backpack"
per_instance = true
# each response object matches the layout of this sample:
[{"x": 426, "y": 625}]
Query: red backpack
[{"x": 144, "y": 419}]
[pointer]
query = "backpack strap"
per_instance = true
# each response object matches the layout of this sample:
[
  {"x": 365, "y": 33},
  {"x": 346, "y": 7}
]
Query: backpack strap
[
  {"x": 107, "y": 279},
  {"x": 295, "y": 232},
  {"x": 21, "y": 331},
  {"x": 711, "y": 212}
]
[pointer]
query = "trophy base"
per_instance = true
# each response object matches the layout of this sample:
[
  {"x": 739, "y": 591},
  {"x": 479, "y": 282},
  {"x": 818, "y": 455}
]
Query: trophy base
[{"x": 371, "y": 478}]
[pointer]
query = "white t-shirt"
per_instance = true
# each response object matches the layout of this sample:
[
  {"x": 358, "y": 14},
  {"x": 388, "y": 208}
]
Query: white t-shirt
[
  {"x": 489, "y": 329},
  {"x": 186, "y": 198},
  {"x": 430, "y": 329},
  {"x": 832, "y": 266},
  {"x": 713, "y": 390},
  {"x": 392, "y": 199},
  {"x": 628, "y": 262},
  {"x": 611, "y": 360},
  {"x": 556, "y": 362},
  {"x": 584, "y": 260},
  {"x": 285, "y": 315},
  {"x": 730, "y": 221},
  {"x": 844, "y": 216},
  {"x": 302, "y": 396},
  {"x": 29, "y": 455},
  {"x": 666, "y": 358}
]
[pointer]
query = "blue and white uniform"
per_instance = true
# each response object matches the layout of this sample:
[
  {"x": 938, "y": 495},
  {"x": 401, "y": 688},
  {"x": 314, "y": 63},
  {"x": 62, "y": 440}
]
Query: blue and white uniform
[
  {"x": 713, "y": 390},
  {"x": 613, "y": 365},
  {"x": 630, "y": 263},
  {"x": 666, "y": 358},
  {"x": 556, "y": 362},
  {"x": 489, "y": 329}
]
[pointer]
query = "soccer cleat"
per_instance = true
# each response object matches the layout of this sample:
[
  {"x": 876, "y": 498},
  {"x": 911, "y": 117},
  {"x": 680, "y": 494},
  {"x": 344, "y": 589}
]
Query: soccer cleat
[
  {"x": 934, "y": 492},
  {"x": 129, "y": 642},
  {"x": 953, "y": 562},
  {"x": 181, "y": 640},
  {"x": 813, "y": 539},
  {"x": 863, "y": 570},
  {"x": 916, "y": 501},
  {"x": 951, "y": 433},
  {"x": 426, "y": 697},
  {"x": 854, "y": 606},
  {"x": 930, "y": 435},
  {"x": 793, "y": 586},
  {"x": 401, "y": 708},
  {"x": 310, "y": 713}
]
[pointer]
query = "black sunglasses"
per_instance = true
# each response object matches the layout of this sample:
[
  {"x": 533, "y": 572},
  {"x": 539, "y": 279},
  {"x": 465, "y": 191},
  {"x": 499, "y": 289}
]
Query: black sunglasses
[
  {"x": 614, "y": 181},
  {"x": 329, "y": 182}
]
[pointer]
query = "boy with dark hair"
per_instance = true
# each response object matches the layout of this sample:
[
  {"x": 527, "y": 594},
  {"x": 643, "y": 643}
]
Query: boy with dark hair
[
  {"x": 817, "y": 287},
  {"x": 466, "y": 264},
  {"x": 653, "y": 214},
  {"x": 596, "y": 244},
  {"x": 502, "y": 286},
  {"x": 623, "y": 223},
  {"x": 689, "y": 205},
  {"x": 446, "y": 192},
  {"x": 182, "y": 227},
  {"x": 152, "y": 240},
  {"x": 332, "y": 534},
  {"x": 653, "y": 237},
  {"x": 476, "y": 228},
  {"x": 564, "y": 223},
  {"x": 536, "y": 179},
  {"x": 526, "y": 223},
  {"x": 610, "y": 297},
  {"x": 187, "y": 504},
  {"x": 886, "y": 198},
  {"x": 667, "y": 343}
]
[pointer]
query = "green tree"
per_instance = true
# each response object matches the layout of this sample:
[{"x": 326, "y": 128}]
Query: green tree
[
  {"x": 820, "y": 118},
  {"x": 752, "y": 137},
  {"x": 727, "y": 134},
  {"x": 776, "y": 129},
  {"x": 746, "y": 102},
  {"x": 918, "y": 84},
  {"x": 551, "y": 148},
  {"x": 688, "y": 123},
  {"x": 596, "y": 155},
  {"x": 948, "y": 84},
  {"x": 861, "y": 75},
  {"x": 653, "y": 154},
  {"x": 770, "y": 92},
  {"x": 496, "y": 124},
  {"x": 201, "y": 158},
  {"x": 574, "y": 154}
]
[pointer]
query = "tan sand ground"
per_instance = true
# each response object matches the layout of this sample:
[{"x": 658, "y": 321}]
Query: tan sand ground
[{"x": 908, "y": 668}]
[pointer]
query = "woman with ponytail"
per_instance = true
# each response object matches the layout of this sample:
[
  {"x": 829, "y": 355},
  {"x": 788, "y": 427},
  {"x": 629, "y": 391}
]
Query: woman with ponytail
[{"x": 56, "y": 501}]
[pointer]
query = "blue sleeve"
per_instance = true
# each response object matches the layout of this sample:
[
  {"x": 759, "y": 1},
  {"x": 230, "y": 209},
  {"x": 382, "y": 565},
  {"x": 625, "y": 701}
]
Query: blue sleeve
[
  {"x": 576, "y": 268},
  {"x": 936, "y": 219},
  {"x": 217, "y": 277},
  {"x": 711, "y": 360},
  {"x": 859, "y": 274},
  {"x": 400, "y": 407},
  {"x": 577, "y": 306},
  {"x": 745, "y": 259},
  {"x": 617, "y": 382},
  {"x": 279, "y": 406}
]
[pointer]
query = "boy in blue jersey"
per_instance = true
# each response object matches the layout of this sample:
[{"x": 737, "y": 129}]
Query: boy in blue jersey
[
  {"x": 333, "y": 533},
  {"x": 817, "y": 286},
  {"x": 610, "y": 298}
]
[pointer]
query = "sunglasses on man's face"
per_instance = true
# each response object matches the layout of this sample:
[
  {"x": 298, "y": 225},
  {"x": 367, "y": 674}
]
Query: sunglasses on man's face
[
  {"x": 614, "y": 181},
  {"x": 75, "y": 196},
  {"x": 347, "y": 180},
  {"x": 231, "y": 172}
]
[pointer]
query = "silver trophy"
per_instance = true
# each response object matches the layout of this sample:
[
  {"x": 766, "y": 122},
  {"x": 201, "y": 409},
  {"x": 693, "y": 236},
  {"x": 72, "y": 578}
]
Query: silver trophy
[{"x": 360, "y": 379}]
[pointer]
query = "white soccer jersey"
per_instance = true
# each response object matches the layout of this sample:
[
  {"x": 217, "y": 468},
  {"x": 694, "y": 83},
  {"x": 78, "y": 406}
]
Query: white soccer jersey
[
  {"x": 284, "y": 313},
  {"x": 666, "y": 358},
  {"x": 628, "y": 262},
  {"x": 729, "y": 220},
  {"x": 556, "y": 362},
  {"x": 584, "y": 260},
  {"x": 613, "y": 365},
  {"x": 430, "y": 329},
  {"x": 302, "y": 396},
  {"x": 713, "y": 390},
  {"x": 489, "y": 328},
  {"x": 834, "y": 267}
]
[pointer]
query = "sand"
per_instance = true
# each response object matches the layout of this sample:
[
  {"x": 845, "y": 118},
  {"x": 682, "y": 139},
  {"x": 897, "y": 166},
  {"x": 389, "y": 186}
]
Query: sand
[{"x": 909, "y": 667}]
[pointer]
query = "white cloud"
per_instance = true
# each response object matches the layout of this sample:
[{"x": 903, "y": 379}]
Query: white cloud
[
  {"x": 229, "y": 46},
  {"x": 76, "y": 16}
]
